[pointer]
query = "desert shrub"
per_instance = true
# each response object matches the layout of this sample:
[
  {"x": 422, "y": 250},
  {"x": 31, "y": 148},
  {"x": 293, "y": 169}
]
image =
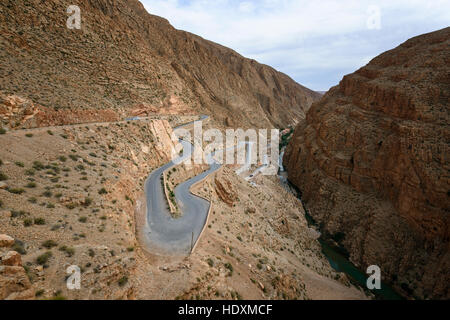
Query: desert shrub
[
  {"x": 39, "y": 221},
  {"x": 43, "y": 259},
  {"x": 50, "y": 132},
  {"x": 37, "y": 165},
  {"x": 16, "y": 214},
  {"x": 123, "y": 281},
  {"x": 229, "y": 267},
  {"x": 102, "y": 191},
  {"x": 32, "y": 200},
  {"x": 19, "y": 247},
  {"x": 3, "y": 177},
  {"x": 68, "y": 250},
  {"x": 49, "y": 244},
  {"x": 87, "y": 202},
  {"x": 19, "y": 164},
  {"x": 71, "y": 206},
  {"x": 83, "y": 219},
  {"x": 29, "y": 135},
  {"x": 39, "y": 293},
  {"x": 31, "y": 185},
  {"x": 30, "y": 172},
  {"x": 91, "y": 253},
  {"x": 47, "y": 194},
  {"x": 16, "y": 190},
  {"x": 62, "y": 158},
  {"x": 2, "y": 131}
]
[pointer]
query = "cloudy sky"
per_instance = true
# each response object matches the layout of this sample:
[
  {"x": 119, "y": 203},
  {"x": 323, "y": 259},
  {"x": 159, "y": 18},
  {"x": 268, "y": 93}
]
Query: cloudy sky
[{"x": 315, "y": 42}]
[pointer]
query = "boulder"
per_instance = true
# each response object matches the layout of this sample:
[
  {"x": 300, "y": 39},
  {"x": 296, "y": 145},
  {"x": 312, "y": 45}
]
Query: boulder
[
  {"x": 6, "y": 241},
  {"x": 12, "y": 258}
]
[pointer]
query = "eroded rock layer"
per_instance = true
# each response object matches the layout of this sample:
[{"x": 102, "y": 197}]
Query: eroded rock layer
[
  {"x": 128, "y": 62},
  {"x": 371, "y": 160}
]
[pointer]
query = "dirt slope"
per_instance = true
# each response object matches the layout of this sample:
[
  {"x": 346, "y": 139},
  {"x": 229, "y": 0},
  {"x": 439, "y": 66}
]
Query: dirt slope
[{"x": 127, "y": 61}]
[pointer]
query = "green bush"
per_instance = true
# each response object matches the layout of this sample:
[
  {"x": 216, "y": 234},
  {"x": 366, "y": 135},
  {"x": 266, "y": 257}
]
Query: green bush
[
  {"x": 16, "y": 190},
  {"x": 19, "y": 164},
  {"x": 39, "y": 221},
  {"x": 37, "y": 165},
  {"x": 102, "y": 191},
  {"x": 19, "y": 247},
  {"x": 69, "y": 251},
  {"x": 87, "y": 202},
  {"x": 31, "y": 185},
  {"x": 43, "y": 259},
  {"x": 3, "y": 177},
  {"x": 47, "y": 194},
  {"x": 123, "y": 281},
  {"x": 30, "y": 172},
  {"x": 49, "y": 244},
  {"x": 29, "y": 135},
  {"x": 2, "y": 131},
  {"x": 32, "y": 200},
  {"x": 83, "y": 219}
]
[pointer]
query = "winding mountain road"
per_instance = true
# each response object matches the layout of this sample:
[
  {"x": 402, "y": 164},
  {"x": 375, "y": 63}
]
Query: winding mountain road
[{"x": 166, "y": 234}]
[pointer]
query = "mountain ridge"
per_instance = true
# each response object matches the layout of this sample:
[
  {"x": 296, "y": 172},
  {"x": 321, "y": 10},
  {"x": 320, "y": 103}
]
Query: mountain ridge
[
  {"x": 371, "y": 160},
  {"x": 130, "y": 61}
]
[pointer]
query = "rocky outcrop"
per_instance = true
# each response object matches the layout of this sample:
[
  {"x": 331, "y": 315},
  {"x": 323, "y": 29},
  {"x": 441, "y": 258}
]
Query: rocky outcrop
[
  {"x": 12, "y": 259},
  {"x": 6, "y": 241},
  {"x": 14, "y": 281},
  {"x": 224, "y": 190},
  {"x": 372, "y": 163},
  {"x": 124, "y": 58}
]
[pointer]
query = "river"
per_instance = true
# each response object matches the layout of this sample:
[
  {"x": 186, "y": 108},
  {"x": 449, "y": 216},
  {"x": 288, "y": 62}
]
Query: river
[{"x": 338, "y": 261}]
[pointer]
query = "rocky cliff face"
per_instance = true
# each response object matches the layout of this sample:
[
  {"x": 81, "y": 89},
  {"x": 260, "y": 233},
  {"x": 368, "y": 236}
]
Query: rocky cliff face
[
  {"x": 128, "y": 61},
  {"x": 372, "y": 162}
]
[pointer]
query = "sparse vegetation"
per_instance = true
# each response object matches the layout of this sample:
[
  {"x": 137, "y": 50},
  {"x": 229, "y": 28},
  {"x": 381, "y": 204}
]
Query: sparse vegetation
[
  {"x": 123, "y": 281},
  {"x": 3, "y": 177},
  {"x": 49, "y": 244},
  {"x": 68, "y": 250},
  {"x": 43, "y": 259},
  {"x": 31, "y": 185},
  {"x": 83, "y": 219},
  {"x": 16, "y": 190},
  {"x": 39, "y": 221}
]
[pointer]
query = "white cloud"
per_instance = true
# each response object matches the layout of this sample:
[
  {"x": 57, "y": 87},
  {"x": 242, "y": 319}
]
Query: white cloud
[{"x": 298, "y": 36}]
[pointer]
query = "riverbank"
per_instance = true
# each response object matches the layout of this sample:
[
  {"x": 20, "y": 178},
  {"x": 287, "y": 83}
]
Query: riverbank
[{"x": 339, "y": 258}]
